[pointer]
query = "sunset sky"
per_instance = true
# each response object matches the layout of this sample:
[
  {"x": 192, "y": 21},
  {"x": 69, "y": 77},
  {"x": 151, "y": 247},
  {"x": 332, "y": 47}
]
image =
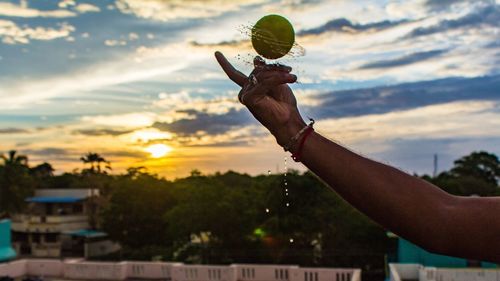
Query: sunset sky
[{"x": 136, "y": 81}]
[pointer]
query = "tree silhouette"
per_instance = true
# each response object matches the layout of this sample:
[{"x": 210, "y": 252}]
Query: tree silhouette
[
  {"x": 15, "y": 182},
  {"x": 481, "y": 165},
  {"x": 95, "y": 160},
  {"x": 43, "y": 170},
  {"x": 13, "y": 159}
]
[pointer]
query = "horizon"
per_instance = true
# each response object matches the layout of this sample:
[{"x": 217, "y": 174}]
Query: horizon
[{"x": 137, "y": 82}]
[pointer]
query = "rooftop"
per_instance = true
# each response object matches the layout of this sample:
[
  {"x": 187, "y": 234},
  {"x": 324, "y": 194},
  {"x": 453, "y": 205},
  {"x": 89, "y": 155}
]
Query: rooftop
[
  {"x": 417, "y": 272},
  {"x": 87, "y": 270}
]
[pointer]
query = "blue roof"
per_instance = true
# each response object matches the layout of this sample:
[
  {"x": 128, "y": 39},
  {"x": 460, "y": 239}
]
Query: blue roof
[
  {"x": 48, "y": 199},
  {"x": 87, "y": 233}
]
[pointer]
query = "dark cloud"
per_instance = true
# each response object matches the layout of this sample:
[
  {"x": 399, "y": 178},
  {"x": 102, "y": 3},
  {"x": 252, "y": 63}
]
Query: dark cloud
[
  {"x": 489, "y": 15},
  {"x": 344, "y": 25},
  {"x": 220, "y": 144},
  {"x": 231, "y": 43},
  {"x": 212, "y": 124},
  {"x": 404, "y": 96},
  {"x": 438, "y": 5},
  {"x": 404, "y": 60},
  {"x": 50, "y": 151},
  {"x": 101, "y": 132},
  {"x": 13, "y": 131},
  {"x": 337, "y": 25},
  {"x": 133, "y": 154}
]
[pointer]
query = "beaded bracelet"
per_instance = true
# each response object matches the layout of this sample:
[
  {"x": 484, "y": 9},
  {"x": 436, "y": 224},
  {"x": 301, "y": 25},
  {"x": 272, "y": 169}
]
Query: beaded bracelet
[
  {"x": 295, "y": 138},
  {"x": 298, "y": 152}
]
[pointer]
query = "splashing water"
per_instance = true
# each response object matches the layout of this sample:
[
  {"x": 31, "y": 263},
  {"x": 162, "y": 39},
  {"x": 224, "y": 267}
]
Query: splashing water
[{"x": 295, "y": 52}]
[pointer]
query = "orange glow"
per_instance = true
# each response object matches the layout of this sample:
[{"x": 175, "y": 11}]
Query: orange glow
[{"x": 158, "y": 150}]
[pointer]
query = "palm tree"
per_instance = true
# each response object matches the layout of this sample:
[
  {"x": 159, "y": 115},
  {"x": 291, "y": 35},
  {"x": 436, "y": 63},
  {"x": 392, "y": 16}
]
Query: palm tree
[
  {"x": 14, "y": 160},
  {"x": 95, "y": 160},
  {"x": 15, "y": 182}
]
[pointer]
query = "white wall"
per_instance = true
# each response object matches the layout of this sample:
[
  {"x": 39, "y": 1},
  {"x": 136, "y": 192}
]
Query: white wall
[{"x": 84, "y": 270}]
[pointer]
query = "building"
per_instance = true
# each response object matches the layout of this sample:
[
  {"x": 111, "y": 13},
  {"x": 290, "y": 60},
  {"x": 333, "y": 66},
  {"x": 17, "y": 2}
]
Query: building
[
  {"x": 57, "y": 223},
  {"x": 418, "y": 272},
  {"x": 129, "y": 270},
  {"x": 6, "y": 250}
]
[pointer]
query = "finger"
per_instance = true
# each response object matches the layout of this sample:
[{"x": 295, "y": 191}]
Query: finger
[
  {"x": 278, "y": 67},
  {"x": 233, "y": 74},
  {"x": 277, "y": 76},
  {"x": 278, "y": 79}
]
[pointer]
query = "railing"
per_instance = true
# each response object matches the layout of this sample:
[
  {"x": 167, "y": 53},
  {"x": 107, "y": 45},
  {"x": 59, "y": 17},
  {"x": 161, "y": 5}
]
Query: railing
[
  {"x": 399, "y": 271},
  {"x": 462, "y": 274},
  {"x": 84, "y": 270},
  {"x": 49, "y": 223},
  {"x": 46, "y": 250}
]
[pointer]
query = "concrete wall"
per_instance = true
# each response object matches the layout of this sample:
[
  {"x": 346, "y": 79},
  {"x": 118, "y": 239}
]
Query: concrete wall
[
  {"x": 399, "y": 272},
  {"x": 85, "y": 270}
]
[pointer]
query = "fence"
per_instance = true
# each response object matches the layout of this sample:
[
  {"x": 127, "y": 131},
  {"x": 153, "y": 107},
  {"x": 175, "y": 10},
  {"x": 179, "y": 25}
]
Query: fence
[
  {"x": 401, "y": 272},
  {"x": 85, "y": 270}
]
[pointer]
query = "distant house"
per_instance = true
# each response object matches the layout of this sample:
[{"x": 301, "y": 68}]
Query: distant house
[
  {"x": 56, "y": 224},
  {"x": 6, "y": 250}
]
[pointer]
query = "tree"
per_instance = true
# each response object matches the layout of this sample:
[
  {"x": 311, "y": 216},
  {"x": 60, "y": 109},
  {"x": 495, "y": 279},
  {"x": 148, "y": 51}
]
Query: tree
[
  {"x": 14, "y": 159},
  {"x": 95, "y": 160},
  {"x": 481, "y": 165},
  {"x": 15, "y": 183},
  {"x": 475, "y": 174},
  {"x": 133, "y": 215}
]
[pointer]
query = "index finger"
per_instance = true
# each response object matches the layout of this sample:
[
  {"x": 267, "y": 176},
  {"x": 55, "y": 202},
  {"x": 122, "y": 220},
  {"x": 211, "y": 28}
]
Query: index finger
[{"x": 233, "y": 74}]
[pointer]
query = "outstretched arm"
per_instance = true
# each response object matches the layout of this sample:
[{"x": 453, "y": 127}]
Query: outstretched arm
[{"x": 410, "y": 207}]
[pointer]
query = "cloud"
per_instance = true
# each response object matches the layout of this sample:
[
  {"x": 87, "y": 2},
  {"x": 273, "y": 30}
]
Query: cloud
[
  {"x": 101, "y": 132},
  {"x": 344, "y": 25},
  {"x": 86, "y": 8},
  {"x": 165, "y": 10},
  {"x": 127, "y": 120},
  {"x": 406, "y": 96},
  {"x": 49, "y": 151},
  {"x": 112, "y": 43},
  {"x": 404, "y": 60},
  {"x": 461, "y": 119},
  {"x": 13, "y": 131},
  {"x": 11, "y": 33},
  {"x": 211, "y": 124},
  {"x": 22, "y": 10},
  {"x": 485, "y": 16},
  {"x": 439, "y": 5}
]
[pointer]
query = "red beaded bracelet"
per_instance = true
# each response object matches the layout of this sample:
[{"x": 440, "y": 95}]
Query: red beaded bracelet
[{"x": 296, "y": 155}]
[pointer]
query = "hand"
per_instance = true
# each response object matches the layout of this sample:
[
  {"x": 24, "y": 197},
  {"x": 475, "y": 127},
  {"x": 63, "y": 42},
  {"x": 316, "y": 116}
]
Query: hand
[{"x": 270, "y": 100}]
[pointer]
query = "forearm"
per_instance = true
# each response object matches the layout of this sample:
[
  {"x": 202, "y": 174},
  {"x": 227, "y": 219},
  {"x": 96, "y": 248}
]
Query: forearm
[{"x": 402, "y": 203}]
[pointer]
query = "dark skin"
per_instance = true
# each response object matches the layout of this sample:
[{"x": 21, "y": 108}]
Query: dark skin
[{"x": 414, "y": 209}]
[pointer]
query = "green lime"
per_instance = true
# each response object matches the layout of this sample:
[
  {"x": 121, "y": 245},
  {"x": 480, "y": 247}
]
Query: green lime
[{"x": 273, "y": 36}]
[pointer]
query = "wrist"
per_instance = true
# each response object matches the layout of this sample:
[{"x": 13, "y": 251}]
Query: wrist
[{"x": 287, "y": 132}]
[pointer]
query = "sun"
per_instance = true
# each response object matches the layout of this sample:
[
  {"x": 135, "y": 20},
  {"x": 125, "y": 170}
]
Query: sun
[{"x": 158, "y": 150}]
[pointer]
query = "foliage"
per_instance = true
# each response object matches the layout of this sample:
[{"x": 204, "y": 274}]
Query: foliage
[
  {"x": 232, "y": 217},
  {"x": 15, "y": 183},
  {"x": 474, "y": 174}
]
